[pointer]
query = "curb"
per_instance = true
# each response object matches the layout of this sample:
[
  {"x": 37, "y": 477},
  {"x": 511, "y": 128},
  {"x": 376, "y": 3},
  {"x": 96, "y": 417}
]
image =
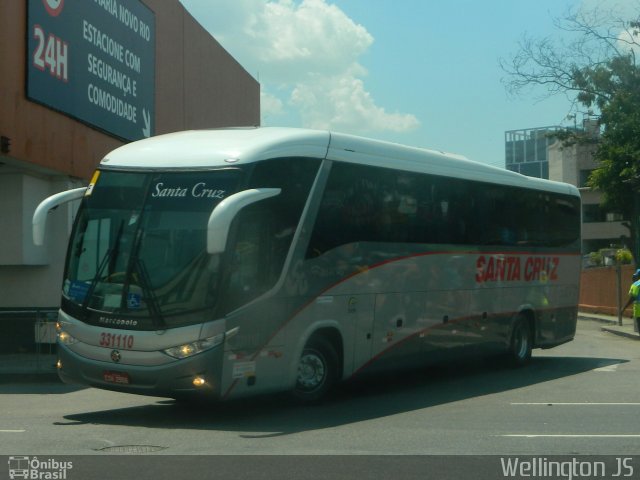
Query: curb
[
  {"x": 623, "y": 333},
  {"x": 599, "y": 319},
  {"x": 610, "y": 325}
]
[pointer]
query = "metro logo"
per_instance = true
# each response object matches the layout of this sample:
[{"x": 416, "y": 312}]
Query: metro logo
[{"x": 505, "y": 268}]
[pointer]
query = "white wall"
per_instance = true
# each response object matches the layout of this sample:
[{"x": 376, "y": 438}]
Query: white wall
[{"x": 31, "y": 276}]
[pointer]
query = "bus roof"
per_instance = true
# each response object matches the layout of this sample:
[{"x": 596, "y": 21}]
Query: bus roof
[{"x": 240, "y": 146}]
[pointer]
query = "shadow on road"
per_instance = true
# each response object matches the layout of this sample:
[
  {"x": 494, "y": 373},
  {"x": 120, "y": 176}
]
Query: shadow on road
[
  {"x": 20, "y": 384},
  {"x": 269, "y": 416}
]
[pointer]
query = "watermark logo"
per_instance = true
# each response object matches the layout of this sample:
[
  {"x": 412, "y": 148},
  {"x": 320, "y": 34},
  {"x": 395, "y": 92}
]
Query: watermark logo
[
  {"x": 569, "y": 468},
  {"x": 38, "y": 469}
]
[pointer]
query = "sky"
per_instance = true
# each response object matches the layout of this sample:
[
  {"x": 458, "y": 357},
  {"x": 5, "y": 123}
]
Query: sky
[{"x": 423, "y": 73}]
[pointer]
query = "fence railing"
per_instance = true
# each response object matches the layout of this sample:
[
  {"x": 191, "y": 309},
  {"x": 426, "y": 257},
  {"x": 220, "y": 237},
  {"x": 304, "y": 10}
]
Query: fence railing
[{"x": 28, "y": 339}]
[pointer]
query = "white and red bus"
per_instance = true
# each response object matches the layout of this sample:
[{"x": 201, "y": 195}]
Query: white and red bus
[{"x": 241, "y": 261}]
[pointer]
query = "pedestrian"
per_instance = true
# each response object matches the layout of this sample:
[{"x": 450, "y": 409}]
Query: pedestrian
[{"x": 634, "y": 297}]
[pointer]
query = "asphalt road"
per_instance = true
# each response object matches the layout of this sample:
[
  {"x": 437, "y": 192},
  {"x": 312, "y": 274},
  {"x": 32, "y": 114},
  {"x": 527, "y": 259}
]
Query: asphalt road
[{"x": 582, "y": 398}]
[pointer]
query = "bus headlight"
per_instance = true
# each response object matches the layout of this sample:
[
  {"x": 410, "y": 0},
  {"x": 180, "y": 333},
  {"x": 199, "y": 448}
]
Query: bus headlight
[
  {"x": 193, "y": 348},
  {"x": 66, "y": 339}
]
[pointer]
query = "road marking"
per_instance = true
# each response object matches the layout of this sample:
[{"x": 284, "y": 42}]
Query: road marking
[
  {"x": 12, "y": 431},
  {"x": 608, "y": 368},
  {"x": 576, "y": 403},
  {"x": 612, "y": 435}
]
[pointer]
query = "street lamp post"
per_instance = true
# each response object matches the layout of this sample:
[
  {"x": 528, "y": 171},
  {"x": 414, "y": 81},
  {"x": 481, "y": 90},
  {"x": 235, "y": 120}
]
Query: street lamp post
[{"x": 610, "y": 255}]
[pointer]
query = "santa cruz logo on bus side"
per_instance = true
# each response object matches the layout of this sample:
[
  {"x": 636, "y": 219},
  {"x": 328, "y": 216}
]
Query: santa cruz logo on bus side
[{"x": 511, "y": 268}]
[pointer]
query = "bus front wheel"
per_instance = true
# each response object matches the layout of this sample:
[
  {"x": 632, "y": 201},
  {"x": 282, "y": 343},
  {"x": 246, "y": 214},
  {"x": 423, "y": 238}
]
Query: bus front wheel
[
  {"x": 316, "y": 370},
  {"x": 521, "y": 342}
]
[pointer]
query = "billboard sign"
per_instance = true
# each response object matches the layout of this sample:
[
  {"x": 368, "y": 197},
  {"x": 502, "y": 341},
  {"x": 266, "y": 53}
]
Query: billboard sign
[{"x": 94, "y": 61}]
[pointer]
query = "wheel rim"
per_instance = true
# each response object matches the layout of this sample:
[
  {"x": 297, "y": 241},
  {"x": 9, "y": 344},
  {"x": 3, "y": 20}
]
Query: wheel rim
[
  {"x": 312, "y": 371},
  {"x": 521, "y": 344}
]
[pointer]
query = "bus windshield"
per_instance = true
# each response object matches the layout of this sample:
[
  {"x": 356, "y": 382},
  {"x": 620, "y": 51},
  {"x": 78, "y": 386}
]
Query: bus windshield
[{"x": 138, "y": 249}]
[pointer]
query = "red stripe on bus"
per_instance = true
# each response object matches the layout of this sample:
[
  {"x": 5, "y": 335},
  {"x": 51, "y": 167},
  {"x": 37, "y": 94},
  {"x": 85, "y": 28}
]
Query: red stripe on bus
[{"x": 378, "y": 265}]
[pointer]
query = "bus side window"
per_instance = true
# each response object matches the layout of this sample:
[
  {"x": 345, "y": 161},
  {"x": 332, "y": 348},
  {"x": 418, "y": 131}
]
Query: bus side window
[
  {"x": 250, "y": 258},
  {"x": 265, "y": 231},
  {"x": 373, "y": 204},
  {"x": 349, "y": 210}
]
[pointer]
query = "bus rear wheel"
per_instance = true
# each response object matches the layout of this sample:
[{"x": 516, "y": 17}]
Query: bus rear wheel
[
  {"x": 521, "y": 342},
  {"x": 317, "y": 370}
]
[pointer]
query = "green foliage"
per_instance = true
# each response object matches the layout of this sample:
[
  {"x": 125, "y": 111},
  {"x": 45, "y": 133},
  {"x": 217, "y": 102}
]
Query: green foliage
[
  {"x": 624, "y": 256},
  {"x": 596, "y": 258},
  {"x": 571, "y": 136},
  {"x": 618, "y": 153}
]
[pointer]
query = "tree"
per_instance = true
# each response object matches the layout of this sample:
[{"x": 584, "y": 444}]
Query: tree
[{"x": 598, "y": 70}]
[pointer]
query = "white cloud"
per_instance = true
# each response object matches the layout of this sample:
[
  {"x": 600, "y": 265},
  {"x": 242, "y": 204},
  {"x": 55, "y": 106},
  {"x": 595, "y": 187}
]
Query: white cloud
[
  {"x": 606, "y": 14},
  {"x": 626, "y": 9},
  {"x": 629, "y": 40},
  {"x": 305, "y": 55},
  {"x": 342, "y": 103},
  {"x": 270, "y": 105}
]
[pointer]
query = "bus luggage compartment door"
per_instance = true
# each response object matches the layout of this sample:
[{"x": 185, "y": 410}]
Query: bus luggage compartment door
[
  {"x": 360, "y": 310},
  {"x": 395, "y": 343}
]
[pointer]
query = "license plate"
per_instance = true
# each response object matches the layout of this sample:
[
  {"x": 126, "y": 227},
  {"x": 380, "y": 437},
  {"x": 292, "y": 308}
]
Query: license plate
[{"x": 121, "y": 378}]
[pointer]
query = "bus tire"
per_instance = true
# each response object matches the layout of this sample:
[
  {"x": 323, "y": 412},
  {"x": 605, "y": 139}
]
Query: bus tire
[
  {"x": 521, "y": 342},
  {"x": 317, "y": 370}
]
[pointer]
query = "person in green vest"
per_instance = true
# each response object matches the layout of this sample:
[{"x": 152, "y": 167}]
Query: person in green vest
[{"x": 634, "y": 297}]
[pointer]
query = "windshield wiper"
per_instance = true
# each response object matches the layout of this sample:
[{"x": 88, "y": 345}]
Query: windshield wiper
[
  {"x": 110, "y": 255},
  {"x": 136, "y": 263},
  {"x": 152, "y": 301}
]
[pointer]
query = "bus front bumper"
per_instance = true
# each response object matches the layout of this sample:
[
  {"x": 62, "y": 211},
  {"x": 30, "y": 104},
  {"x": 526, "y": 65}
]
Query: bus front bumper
[{"x": 197, "y": 376}]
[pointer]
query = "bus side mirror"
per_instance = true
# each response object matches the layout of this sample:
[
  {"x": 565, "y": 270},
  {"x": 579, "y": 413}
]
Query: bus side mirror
[
  {"x": 39, "y": 220},
  {"x": 224, "y": 213}
]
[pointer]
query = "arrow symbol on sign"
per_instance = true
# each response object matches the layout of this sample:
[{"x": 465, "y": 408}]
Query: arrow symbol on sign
[{"x": 146, "y": 131}]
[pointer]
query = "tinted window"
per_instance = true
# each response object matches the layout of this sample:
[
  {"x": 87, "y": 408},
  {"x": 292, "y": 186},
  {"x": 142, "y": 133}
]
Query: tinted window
[
  {"x": 264, "y": 230},
  {"x": 369, "y": 204}
]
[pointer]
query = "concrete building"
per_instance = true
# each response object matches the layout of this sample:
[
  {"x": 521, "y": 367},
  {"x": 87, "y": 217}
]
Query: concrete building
[{"x": 78, "y": 80}]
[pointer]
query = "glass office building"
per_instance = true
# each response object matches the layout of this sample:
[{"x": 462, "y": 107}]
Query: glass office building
[{"x": 526, "y": 150}]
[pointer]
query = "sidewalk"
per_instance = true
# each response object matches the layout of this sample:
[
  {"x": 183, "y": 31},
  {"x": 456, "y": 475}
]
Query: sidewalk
[{"x": 610, "y": 324}]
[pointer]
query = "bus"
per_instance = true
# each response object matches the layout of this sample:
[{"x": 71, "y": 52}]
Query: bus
[
  {"x": 233, "y": 262},
  {"x": 19, "y": 467}
]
